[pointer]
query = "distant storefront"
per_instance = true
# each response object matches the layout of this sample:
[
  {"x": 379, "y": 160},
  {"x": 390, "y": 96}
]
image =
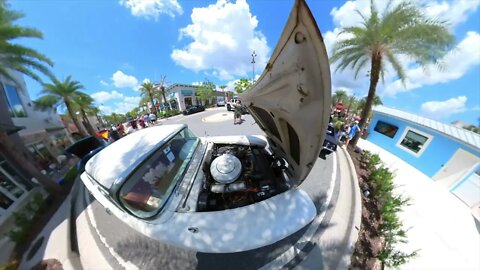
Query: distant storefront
[{"x": 448, "y": 154}]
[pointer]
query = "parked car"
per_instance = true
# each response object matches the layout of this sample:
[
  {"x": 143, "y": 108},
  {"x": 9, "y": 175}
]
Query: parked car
[
  {"x": 232, "y": 103},
  {"x": 84, "y": 149},
  {"x": 330, "y": 143},
  {"x": 194, "y": 109},
  {"x": 230, "y": 193},
  {"x": 220, "y": 101}
]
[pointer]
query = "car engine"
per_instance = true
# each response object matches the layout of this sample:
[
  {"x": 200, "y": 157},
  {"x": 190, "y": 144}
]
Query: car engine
[{"x": 239, "y": 175}]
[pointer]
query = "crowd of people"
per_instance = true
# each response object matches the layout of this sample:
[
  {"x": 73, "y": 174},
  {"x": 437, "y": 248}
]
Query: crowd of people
[
  {"x": 116, "y": 132},
  {"x": 346, "y": 126}
]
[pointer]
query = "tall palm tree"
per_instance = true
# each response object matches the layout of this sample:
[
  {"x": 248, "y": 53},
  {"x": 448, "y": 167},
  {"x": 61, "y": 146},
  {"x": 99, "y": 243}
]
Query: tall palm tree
[
  {"x": 401, "y": 30},
  {"x": 84, "y": 104},
  {"x": 19, "y": 58},
  {"x": 147, "y": 89},
  {"x": 62, "y": 93},
  {"x": 161, "y": 88}
]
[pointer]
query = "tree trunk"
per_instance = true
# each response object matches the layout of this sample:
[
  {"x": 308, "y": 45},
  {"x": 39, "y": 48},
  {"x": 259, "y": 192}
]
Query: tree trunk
[
  {"x": 88, "y": 125},
  {"x": 376, "y": 63},
  {"x": 165, "y": 98},
  {"x": 151, "y": 100},
  {"x": 16, "y": 155},
  {"x": 74, "y": 119}
]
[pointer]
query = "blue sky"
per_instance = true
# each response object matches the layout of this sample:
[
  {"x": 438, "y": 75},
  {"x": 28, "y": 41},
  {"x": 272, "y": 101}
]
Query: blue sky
[{"x": 112, "y": 46}]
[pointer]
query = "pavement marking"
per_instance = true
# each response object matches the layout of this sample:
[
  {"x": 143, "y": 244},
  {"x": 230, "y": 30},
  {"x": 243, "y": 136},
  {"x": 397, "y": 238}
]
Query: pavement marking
[
  {"x": 118, "y": 258},
  {"x": 290, "y": 253}
]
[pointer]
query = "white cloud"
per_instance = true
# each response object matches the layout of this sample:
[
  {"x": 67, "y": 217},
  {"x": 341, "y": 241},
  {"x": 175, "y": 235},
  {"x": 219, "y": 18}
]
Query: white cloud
[
  {"x": 128, "y": 104},
  {"x": 103, "y": 96},
  {"x": 455, "y": 64},
  {"x": 105, "y": 109},
  {"x": 125, "y": 105},
  {"x": 104, "y": 83},
  {"x": 122, "y": 80},
  {"x": 440, "y": 109},
  {"x": 134, "y": 100},
  {"x": 153, "y": 8},
  {"x": 453, "y": 13},
  {"x": 224, "y": 35}
]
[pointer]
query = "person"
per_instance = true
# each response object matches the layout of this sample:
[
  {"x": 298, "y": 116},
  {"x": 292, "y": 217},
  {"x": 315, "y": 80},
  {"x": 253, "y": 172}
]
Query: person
[
  {"x": 153, "y": 118},
  {"x": 146, "y": 119},
  {"x": 121, "y": 129},
  {"x": 237, "y": 116},
  {"x": 133, "y": 124},
  {"x": 353, "y": 131},
  {"x": 113, "y": 134}
]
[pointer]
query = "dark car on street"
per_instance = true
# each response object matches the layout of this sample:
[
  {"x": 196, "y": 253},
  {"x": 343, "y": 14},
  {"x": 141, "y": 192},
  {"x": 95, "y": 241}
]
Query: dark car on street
[
  {"x": 194, "y": 109},
  {"x": 329, "y": 144}
]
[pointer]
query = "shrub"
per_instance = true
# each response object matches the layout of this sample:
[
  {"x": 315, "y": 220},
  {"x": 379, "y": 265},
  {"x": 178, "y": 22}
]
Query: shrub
[
  {"x": 389, "y": 205},
  {"x": 23, "y": 218}
]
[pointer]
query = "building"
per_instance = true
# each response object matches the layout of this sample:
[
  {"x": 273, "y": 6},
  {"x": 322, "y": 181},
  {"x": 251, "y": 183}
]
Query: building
[
  {"x": 447, "y": 154},
  {"x": 180, "y": 96},
  {"x": 40, "y": 135}
]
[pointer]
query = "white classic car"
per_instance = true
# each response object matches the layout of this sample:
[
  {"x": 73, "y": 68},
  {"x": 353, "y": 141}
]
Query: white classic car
[{"x": 232, "y": 193}]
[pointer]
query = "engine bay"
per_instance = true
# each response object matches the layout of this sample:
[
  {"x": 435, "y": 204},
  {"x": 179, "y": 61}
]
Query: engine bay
[{"x": 239, "y": 175}]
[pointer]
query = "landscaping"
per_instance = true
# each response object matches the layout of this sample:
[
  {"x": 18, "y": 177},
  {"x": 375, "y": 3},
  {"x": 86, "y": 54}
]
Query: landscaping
[
  {"x": 32, "y": 218},
  {"x": 381, "y": 229}
]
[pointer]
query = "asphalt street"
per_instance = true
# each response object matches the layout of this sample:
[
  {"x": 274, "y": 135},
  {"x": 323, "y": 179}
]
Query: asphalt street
[{"x": 119, "y": 243}]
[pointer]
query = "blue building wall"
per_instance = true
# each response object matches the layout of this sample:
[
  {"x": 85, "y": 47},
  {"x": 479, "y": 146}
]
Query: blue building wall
[{"x": 436, "y": 154}]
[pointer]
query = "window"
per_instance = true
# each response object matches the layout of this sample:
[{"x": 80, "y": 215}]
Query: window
[
  {"x": 15, "y": 106},
  {"x": 386, "y": 129},
  {"x": 10, "y": 187},
  {"x": 146, "y": 190},
  {"x": 414, "y": 141}
]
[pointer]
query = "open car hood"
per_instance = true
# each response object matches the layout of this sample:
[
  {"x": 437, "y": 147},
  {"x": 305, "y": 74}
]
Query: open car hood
[{"x": 291, "y": 99}]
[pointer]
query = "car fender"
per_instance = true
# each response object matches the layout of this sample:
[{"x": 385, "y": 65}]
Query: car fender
[{"x": 238, "y": 229}]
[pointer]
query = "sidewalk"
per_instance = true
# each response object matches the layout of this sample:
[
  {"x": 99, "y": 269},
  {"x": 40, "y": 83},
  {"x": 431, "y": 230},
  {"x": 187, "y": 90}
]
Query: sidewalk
[
  {"x": 439, "y": 225},
  {"x": 337, "y": 243},
  {"x": 56, "y": 242}
]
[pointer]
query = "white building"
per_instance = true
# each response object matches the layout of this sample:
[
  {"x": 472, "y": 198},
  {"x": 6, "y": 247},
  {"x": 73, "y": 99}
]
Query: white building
[{"x": 41, "y": 132}]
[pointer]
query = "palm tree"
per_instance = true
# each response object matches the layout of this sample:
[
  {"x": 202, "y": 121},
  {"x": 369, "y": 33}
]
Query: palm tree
[
  {"x": 362, "y": 102},
  {"x": 84, "y": 104},
  {"x": 401, "y": 30},
  {"x": 161, "y": 88},
  {"x": 147, "y": 89},
  {"x": 62, "y": 93},
  {"x": 15, "y": 57},
  {"x": 339, "y": 96}
]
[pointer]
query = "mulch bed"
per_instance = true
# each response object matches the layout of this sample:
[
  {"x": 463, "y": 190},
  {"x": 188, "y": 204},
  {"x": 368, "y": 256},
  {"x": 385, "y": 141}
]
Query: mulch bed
[{"x": 369, "y": 243}]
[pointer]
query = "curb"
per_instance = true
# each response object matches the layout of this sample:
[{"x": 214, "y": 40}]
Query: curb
[{"x": 357, "y": 218}]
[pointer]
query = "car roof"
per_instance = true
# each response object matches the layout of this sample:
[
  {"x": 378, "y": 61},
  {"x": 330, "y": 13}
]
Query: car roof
[{"x": 119, "y": 159}]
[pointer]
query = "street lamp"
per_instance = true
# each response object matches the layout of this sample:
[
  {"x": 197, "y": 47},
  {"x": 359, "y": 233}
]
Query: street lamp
[{"x": 253, "y": 66}]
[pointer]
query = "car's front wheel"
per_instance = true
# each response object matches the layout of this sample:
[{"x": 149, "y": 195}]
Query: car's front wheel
[{"x": 229, "y": 108}]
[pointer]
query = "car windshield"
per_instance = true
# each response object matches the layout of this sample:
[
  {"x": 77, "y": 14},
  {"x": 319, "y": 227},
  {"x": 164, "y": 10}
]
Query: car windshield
[{"x": 145, "y": 191}]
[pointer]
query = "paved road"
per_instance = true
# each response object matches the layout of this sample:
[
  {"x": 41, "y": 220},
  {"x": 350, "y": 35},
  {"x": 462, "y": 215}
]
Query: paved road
[{"x": 121, "y": 245}]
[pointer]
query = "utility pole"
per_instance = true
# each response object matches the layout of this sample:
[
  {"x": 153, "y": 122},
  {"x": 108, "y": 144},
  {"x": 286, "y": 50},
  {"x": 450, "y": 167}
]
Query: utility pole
[{"x": 253, "y": 66}]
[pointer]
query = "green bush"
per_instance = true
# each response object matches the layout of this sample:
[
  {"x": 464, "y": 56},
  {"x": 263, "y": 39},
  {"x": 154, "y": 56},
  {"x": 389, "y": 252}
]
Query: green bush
[
  {"x": 71, "y": 174},
  {"x": 23, "y": 219},
  {"x": 389, "y": 205}
]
